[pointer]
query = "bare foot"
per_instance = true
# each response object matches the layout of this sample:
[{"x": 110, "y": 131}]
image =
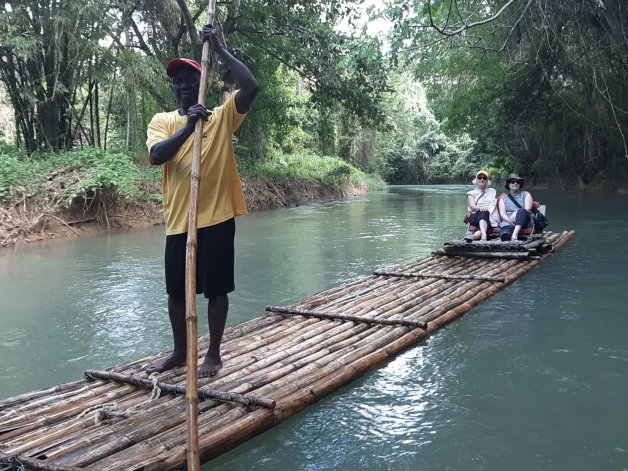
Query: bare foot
[
  {"x": 167, "y": 363},
  {"x": 475, "y": 236},
  {"x": 210, "y": 367}
]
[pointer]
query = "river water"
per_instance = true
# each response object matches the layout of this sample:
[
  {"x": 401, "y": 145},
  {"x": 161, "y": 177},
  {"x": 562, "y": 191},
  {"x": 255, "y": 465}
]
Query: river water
[{"x": 534, "y": 378}]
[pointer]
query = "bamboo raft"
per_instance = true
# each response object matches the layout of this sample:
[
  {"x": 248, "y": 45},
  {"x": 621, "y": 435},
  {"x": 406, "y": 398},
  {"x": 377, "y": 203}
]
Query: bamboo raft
[
  {"x": 531, "y": 249},
  {"x": 276, "y": 365}
]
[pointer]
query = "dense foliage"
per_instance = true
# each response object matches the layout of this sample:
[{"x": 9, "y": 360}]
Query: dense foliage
[
  {"x": 79, "y": 71},
  {"x": 539, "y": 86}
]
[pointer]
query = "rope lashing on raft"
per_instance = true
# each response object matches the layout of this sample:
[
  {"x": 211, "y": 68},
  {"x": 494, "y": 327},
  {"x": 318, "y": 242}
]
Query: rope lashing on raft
[
  {"x": 17, "y": 462},
  {"x": 14, "y": 464},
  {"x": 104, "y": 412},
  {"x": 177, "y": 389}
]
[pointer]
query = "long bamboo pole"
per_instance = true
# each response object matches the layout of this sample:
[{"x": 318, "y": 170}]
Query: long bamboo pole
[{"x": 191, "y": 397}]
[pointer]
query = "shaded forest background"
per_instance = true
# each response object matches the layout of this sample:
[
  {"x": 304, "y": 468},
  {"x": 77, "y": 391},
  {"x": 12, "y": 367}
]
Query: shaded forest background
[{"x": 437, "y": 91}]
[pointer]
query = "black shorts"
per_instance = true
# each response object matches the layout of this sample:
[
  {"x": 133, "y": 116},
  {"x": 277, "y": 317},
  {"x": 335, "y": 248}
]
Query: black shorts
[
  {"x": 478, "y": 216},
  {"x": 214, "y": 261}
]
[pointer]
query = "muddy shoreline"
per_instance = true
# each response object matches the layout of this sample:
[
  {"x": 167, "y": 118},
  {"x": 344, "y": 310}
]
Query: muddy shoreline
[{"x": 23, "y": 222}]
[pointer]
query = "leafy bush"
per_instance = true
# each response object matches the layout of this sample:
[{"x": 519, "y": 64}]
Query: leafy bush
[
  {"x": 12, "y": 173},
  {"x": 374, "y": 182},
  {"x": 330, "y": 171},
  {"x": 75, "y": 173}
]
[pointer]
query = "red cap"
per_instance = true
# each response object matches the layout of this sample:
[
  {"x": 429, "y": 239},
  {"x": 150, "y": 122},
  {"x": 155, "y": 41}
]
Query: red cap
[{"x": 176, "y": 63}]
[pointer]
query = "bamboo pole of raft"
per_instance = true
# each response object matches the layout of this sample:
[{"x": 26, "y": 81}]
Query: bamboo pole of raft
[
  {"x": 176, "y": 389},
  {"x": 503, "y": 255},
  {"x": 443, "y": 276},
  {"x": 332, "y": 343},
  {"x": 208, "y": 421},
  {"x": 345, "y": 317},
  {"x": 465, "y": 262},
  {"x": 191, "y": 410}
]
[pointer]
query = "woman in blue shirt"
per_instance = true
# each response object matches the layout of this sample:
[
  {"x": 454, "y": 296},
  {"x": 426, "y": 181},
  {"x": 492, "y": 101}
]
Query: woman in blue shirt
[{"x": 514, "y": 209}]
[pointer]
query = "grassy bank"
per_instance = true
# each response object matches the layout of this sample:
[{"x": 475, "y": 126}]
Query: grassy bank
[{"x": 86, "y": 191}]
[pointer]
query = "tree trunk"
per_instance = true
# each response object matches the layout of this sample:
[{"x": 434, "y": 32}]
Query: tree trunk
[
  {"x": 66, "y": 78},
  {"x": 143, "y": 111},
  {"x": 91, "y": 116},
  {"x": 108, "y": 114},
  {"x": 129, "y": 117},
  {"x": 97, "y": 115},
  {"x": 189, "y": 22},
  {"x": 80, "y": 118},
  {"x": 130, "y": 102}
]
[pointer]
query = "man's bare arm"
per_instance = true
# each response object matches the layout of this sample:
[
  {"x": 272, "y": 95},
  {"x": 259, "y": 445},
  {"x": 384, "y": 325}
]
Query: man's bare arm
[
  {"x": 164, "y": 151},
  {"x": 248, "y": 84}
]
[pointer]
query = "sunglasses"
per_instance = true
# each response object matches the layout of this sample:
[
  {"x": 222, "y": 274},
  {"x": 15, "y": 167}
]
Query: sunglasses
[
  {"x": 514, "y": 183},
  {"x": 482, "y": 178}
]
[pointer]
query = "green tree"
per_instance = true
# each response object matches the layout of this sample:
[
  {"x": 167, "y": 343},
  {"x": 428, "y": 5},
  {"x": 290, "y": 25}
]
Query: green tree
[
  {"x": 537, "y": 84},
  {"x": 77, "y": 73}
]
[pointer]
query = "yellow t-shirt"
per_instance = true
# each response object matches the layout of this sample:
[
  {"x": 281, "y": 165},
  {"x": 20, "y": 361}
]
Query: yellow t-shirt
[{"x": 220, "y": 190}]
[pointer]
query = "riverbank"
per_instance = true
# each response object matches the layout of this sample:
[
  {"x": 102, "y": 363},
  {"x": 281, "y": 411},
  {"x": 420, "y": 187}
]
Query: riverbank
[
  {"x": 89, "y": 192},
  {"x": 23, "y": 223}
]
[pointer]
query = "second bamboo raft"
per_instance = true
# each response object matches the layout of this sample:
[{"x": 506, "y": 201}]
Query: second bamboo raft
[{"x": 275, "y": 366}]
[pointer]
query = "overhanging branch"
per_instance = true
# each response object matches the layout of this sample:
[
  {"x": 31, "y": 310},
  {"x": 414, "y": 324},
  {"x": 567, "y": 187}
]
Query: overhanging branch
[
  {"x": 525, "y": 9},
  {"x": 143, "y": 46},
  {"x": 189, "y": 21}
]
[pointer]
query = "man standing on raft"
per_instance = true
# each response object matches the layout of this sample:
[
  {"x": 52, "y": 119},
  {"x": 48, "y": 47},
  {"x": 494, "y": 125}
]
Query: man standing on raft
[{"x": 170, "y": 143}]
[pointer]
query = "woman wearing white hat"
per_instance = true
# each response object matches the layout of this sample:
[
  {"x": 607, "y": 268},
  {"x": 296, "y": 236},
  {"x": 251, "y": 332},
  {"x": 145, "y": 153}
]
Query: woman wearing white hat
[{"x": 481, "y": 204}]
